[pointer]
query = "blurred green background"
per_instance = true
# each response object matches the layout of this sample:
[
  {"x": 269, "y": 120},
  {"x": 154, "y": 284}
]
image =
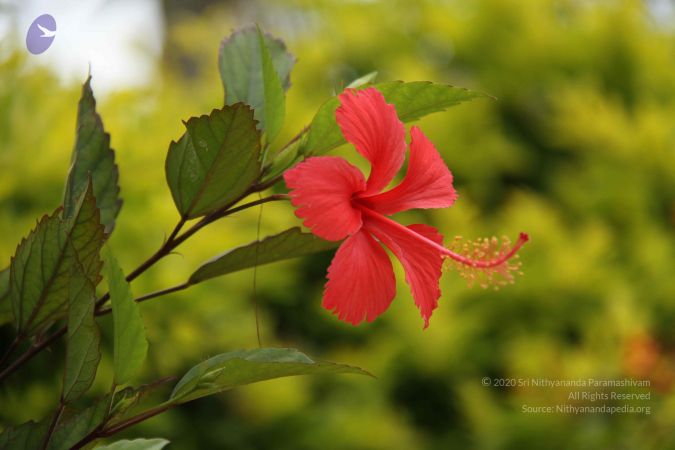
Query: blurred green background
[{"x": 578, "y": 151}]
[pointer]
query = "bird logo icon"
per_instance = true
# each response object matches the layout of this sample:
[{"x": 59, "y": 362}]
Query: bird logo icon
[
  {"x": 41, "y": 34},
  {"x": 46, "y": 32}
]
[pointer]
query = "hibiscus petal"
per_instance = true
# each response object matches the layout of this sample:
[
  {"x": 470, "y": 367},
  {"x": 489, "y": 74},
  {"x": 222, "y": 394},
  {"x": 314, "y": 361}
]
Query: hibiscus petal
[
  {"x": 361, "y": 282},
  {"x": 422, "y": 263},
  {"x": 427, "y": 184},
  {"x": 371, "y": 124},
  {"x": 321, "y": 188}
]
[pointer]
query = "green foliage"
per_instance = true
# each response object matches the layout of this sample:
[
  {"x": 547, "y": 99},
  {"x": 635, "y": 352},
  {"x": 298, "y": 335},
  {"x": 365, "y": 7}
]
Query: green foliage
[
  {"x": 71, "y": 428},
  {"x": 215, "y": 161},
  {"x": 577, "y": 151},
  {"x": 81, "y": 255},
  {"x": 274, "y": 98},
  {"x": 288, "y": 244},
  {"x": 75, "y": 424},
  {"x": 237, "y": 368},
  {"x": 251, "y": 74},
  {"x": 41, "y": 269},
  {"x": 130, "y": 344},
  {"x": 412, "y": 100},
  {"x": 82, "y": 353},
  {"x": 28, "y": 436},
  {"x": 93, "y": 159},
  {"x": 136, "y": 444}
]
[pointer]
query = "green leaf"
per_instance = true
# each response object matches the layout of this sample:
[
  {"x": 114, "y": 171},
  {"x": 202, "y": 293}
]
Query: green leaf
[
  {"x": 136, "y": 444},
  {"x": 27, "y": 436},
  {"x": 215, "y": 161},
  {"x": 41, "y": 269},
  {"x": 83, "y": 347},
  {"x": 83, "y": 342},
  {"x": 362, "y": 81},
  {"x": 289, "y": 244},
  {"x": 412, "y": 101},
  {"x": 92, "y": 156},
  {"x": 74, "y": 424},
  {"x": 130, "y": 343},
  {"x": 237, "y": 368},
  {"x": 72, "y": 427},
  {"x": 275, "y": 99},
  {"x": 242, "y": 71}
]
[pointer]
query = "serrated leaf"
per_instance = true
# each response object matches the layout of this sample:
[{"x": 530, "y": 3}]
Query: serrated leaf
[
  {"x": 83, "y": 340},
  {"x": 136, "y": 444},
  {"x": 237, "y": 368},
  {"x": 362, "y": 81},
  {"x": 27, "y": 436},
  {"x": 241, "y": 69},
  {"x": 40, "y": 270},
  {"x": 412, "y": 100},
  {"x": 93, "y": 157},
  {"x": 289, "y": 244},
  {"x": 130, "y": 344},
  {"x": 215, "y": 161},
  {"x": 274, "y": 97}
]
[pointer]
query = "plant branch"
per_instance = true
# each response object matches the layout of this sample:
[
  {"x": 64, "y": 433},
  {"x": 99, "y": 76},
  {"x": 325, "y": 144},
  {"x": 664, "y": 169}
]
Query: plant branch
[
  {"x": 102, "y": 433},
  {"x": 32, "y": 351},
  {"x": 52, "y": 425},
  {"x": 149, "y": 296},
  {"x": 10, "y": 349},
  {"x": 173, "y": 241},
  {"x": 164, "y": 250}
]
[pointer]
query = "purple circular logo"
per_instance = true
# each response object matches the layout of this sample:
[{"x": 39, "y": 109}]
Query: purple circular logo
[{"x": 41, "y": 34}]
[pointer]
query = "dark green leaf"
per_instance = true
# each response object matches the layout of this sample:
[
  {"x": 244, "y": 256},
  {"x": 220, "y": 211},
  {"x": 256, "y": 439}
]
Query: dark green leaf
[
  {"x": 412, "y": 101},
  {"x": 92, "y": 156},
  {"x": 289, "y": 244},
  {"x": 136, "y": 444},
  {"x": 232, "y": 369},
  {"x": 28, "y": 436},
  {"x": 82, "y": 352},
  {"x": 274, "y": 98},
  {"x": 40, "y": 271},
  {"x": 74, "y": 425},
  {"x": 241, "y": 69},
  {"x": 130, "y": 343},
  {"x": 215, "y": 161}
]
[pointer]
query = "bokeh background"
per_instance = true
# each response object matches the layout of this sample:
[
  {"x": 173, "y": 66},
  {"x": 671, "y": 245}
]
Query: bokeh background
[{"x": 578, "y": 150}]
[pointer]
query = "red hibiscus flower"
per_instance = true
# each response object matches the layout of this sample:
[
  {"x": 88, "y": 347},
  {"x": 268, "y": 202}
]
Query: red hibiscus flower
[{"x": 337, "y": 202}]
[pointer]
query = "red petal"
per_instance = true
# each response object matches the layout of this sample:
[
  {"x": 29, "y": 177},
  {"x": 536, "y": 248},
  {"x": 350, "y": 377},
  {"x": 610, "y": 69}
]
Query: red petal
[
  {"x": 427, "y": 184},
  {"x": 322, "y": 188},
  {"x": 361, "y": 282},
  {"x": 371, "y": 124},
  {"x": 422, "y": 263}
]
